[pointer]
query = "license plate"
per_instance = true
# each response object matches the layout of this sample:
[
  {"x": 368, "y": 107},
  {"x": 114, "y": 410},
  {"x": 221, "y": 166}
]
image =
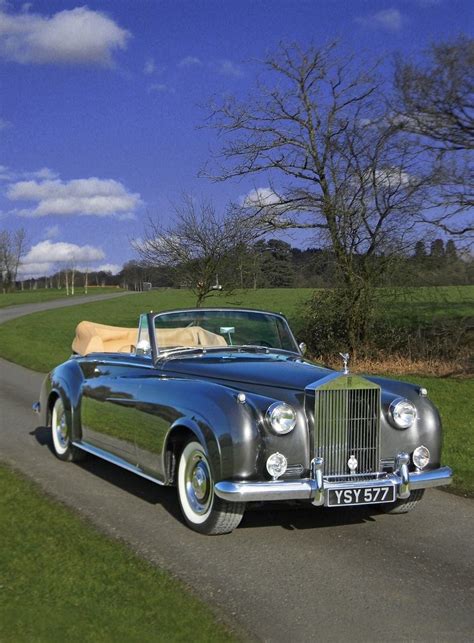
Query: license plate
[{"x": 360, "y": 496}]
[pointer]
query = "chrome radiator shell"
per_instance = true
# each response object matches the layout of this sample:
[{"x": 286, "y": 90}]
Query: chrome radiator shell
[{"x": 344, "y": 411}]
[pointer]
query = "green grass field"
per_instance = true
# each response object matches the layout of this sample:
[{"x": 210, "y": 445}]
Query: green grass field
[
  {"x": 48, "y": 294},
  {"x": 60, "y": 579},
  {"x": 454, "y": 400},
  {"x": 426, "y": 303},
  {"x": 46, "y": 337}
]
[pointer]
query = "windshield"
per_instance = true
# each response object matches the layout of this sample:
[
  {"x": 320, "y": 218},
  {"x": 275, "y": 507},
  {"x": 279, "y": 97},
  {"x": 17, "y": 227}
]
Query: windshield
[{"x": 222, "y": 328}]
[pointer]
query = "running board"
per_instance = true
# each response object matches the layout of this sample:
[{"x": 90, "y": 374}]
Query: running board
[{"x": 114, "y": 459}]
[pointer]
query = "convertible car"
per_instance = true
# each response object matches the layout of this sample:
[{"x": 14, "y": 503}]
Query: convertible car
[{"x": 222, "y": 404}]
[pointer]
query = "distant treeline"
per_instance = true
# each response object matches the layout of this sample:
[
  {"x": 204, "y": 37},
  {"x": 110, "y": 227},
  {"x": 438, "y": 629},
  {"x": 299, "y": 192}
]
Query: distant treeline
[{"x": 277, "y": 264}]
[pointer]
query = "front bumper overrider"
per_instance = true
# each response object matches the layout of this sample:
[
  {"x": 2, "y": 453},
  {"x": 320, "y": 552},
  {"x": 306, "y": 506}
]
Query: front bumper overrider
[{"x": 316, "y": 487}]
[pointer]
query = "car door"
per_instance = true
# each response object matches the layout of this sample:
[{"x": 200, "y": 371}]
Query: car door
[
  {"x": 110, "y": 391},
  {"x": 155, "y": 415}
]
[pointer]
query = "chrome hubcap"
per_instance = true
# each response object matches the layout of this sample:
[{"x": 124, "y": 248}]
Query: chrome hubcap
[
  {"x": 61, "y": 430},
  {"x": 198, "y": 483}
]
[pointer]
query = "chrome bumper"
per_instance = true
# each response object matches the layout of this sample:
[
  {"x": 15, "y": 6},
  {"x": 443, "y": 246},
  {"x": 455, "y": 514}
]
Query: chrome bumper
[{"x": 315, "y": 488}]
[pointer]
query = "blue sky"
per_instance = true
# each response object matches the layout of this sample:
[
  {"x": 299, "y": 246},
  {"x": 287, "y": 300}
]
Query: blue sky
[{"x": 101, "y": 103}]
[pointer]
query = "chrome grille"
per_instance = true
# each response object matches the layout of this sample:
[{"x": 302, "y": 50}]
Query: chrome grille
[{"x": 347, "y": 422}]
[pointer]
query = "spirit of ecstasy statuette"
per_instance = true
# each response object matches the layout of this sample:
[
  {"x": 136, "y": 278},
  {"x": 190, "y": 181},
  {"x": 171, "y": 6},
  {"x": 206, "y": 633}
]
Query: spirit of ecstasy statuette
[{"x": 345, "y": 359}]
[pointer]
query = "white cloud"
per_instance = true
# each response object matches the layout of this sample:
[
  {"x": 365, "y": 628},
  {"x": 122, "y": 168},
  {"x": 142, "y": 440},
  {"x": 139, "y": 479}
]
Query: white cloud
[
  {"x": 260, "y": 197},
  {"x": 93, "y": 196},
  {"x": 51, "y": 232},
  {"x": 44, "y": 173},
  {"x": 73, "y": 36},
  {"x": 391, "y": 178},
  {"x": 228, "y": 68},
  {"x": 44, "y": 257},
  {"x": 149, "y": 66},
  {"x": 6, "y": 174},
  {"x": 387, "y": 19},
  {"x": 190, "y": 61},
  {"x": 4, "y": 124},
  {"x": 114, "y": 268}
]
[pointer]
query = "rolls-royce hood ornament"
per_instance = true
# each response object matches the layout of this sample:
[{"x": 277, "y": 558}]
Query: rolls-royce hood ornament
[{"x": 345, "y": 360}]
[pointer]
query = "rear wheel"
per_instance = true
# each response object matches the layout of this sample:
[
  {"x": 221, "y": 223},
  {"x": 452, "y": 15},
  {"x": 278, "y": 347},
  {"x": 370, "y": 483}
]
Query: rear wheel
[
  {"x": 61, "y": 433},
  {"x": 403, "y": 505},
  {"x": 202, "y": 509}
]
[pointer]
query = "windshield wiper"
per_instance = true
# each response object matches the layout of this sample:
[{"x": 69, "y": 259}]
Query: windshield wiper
[{"x": 182, "y": 349}]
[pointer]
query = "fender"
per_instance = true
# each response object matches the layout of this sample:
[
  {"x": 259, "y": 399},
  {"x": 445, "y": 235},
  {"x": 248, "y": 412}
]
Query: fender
[
  {"x": 65, "y": 381},
  {"x": 227, "y": 429}
]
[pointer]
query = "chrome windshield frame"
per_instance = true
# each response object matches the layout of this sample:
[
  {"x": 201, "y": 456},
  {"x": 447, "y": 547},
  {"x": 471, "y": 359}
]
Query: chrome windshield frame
[{"x": 157, "y": 354}]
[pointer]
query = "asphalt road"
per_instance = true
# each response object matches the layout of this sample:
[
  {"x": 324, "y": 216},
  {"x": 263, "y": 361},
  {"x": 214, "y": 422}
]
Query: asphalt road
[
  {"x": 283, "y": 575},
  {"x": 12, "y": 312}
]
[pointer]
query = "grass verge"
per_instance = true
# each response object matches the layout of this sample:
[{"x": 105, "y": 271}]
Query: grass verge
[
  {"x": 49, "y": 294},
  {"x": 454, "y": 399},
  {"x": 60, "y": 578}
]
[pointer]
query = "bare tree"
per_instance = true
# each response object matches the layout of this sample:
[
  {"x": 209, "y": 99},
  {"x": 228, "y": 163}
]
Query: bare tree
[
  {"x": 435, "y": 101},
  {"x": 12, "y": 249},
  {"x": 438, "y": 97},
  {"x": 319, "y": 129},
  {"x": 66, "y": 278},
  {"x": 198, "y": 245}
]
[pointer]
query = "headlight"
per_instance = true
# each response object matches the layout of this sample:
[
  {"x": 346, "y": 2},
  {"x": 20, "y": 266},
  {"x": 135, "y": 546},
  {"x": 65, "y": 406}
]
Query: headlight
[
  {"x": 282, "y": 417},
  {"x": 276, "y": 465},
  {"x": 421, "y": 457},
  {"x": 403, "y": 413}
]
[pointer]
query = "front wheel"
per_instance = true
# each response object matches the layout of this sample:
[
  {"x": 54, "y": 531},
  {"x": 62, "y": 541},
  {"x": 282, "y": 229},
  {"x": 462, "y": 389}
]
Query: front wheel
[
  {"x": 202, "y": 509},
  {"x": 62, "y": 445},
  {"x": 403, "y": 505}
]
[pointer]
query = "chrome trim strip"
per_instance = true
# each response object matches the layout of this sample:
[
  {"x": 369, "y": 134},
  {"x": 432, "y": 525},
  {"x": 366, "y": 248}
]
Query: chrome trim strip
[
  {"x": 310, "y": 489},
  {"x": 269, "y": 490},
  {"x": 108, "y": 361},
  {"x": 433, "y": 478},
  {"x": 113, "y": 459}
]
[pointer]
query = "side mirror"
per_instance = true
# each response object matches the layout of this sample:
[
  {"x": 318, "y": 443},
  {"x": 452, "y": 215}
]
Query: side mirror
[{"x": 302, "y": 346}]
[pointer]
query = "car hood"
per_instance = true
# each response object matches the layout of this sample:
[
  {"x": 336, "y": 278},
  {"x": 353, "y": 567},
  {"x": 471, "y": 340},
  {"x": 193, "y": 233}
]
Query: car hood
[{"x": 263, "y": 370}]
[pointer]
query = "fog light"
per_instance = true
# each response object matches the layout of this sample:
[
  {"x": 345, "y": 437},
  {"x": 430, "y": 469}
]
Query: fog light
[
  {"x": 276, "y": 465},
  {"x": 421, "y": 457}
]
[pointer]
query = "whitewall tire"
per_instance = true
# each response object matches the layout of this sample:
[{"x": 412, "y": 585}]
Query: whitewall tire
[
  {"x": 61, "y": 434},
  {"x": 202, "y": 509}
]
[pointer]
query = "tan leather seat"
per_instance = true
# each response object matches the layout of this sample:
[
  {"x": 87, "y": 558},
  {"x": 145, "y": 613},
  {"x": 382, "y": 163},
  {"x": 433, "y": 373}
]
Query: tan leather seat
[
  {"x": 99, "y": 338},
  {"x": 191, "y": 336}
]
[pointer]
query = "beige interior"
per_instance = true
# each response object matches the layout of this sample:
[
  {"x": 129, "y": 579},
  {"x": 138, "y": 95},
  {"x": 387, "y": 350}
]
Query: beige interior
[{"x": 99, "y": 338}]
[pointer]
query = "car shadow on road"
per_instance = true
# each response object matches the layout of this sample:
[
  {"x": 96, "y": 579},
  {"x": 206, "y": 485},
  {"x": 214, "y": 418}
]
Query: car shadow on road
[
  {"x": 43, "y": 437},
  {"x": 289, "y": 516},
  {"x": 129, "y": 482},
  {"x": 304, "y": 516}
]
